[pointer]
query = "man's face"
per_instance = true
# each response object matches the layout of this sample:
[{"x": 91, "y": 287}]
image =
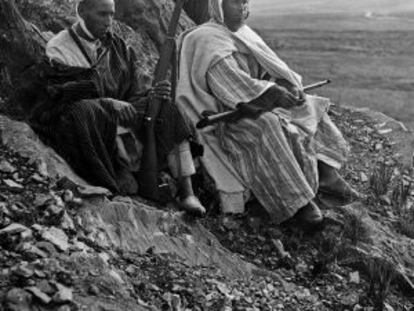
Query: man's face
[
  {"x": 98, "y": 17},
  {"x": 235, "y": 11}
]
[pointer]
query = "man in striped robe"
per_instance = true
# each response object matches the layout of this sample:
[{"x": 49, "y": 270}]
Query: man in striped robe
[
  {"x": 286, "y": 151},
  {"x": 95, "y": 72}
]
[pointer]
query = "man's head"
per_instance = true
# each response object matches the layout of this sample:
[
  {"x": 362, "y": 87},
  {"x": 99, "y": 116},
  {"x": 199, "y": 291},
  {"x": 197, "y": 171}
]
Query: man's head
[
  {"x": 232, "y": 13},
  {"x": 235, "y": 13},
  {"x": 98, "y": 16}
]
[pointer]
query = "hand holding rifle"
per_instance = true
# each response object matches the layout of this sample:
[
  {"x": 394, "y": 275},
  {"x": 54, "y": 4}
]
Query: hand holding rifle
[
  {"x": 287, "y": 100},
  {"x": 126, "y": 113},
  {"x": 161, "y": 90},
  {"x": 290, "y": 98},
  {"x": 300, "y": 95},
  {"x": 297, "y": 97}
]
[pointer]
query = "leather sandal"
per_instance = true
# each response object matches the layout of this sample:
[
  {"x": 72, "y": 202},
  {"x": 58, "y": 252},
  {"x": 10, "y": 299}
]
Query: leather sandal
[
  {"x": 340, "y": 188},
  {"x": 309, "y": 216}
]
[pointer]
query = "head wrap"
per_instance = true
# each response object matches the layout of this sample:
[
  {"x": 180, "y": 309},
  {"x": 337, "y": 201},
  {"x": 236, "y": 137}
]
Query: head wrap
[
  {"x": 81, "y": 22},
  {"x": 266, "y": 57},
  {"x": 216, "y": 11}
]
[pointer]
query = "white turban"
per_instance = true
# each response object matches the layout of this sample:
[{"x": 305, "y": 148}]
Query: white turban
[
  {"x": 216, "y": 11},
  {"x": 265, "y": 56}
]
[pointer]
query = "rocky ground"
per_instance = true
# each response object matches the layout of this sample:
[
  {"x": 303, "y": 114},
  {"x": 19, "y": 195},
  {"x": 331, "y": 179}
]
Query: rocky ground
[{"x": 49, "y": 260}]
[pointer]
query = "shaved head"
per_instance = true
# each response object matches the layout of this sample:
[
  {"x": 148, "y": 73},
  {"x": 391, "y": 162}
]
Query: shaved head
[{"x": 87, "y": 4}]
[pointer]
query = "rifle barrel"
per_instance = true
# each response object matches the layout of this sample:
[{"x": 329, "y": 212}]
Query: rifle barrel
[
  {"x": 316, "y": 85},
  {"x": 212, "y": 119}
]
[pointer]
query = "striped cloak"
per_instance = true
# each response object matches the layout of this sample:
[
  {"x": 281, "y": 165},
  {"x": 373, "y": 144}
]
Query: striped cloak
[
  {"x": 274, "y": 156},
  {"x": 80, "y": 124}
]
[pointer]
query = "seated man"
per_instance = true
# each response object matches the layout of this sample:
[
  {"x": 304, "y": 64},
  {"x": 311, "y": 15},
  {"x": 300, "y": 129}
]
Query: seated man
[
  {"x": 285, "y": 153},
  {"x": 100, "y": 93}
]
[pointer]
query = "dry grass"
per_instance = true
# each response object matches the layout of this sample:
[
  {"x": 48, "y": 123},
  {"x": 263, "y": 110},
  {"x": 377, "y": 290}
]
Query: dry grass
[
  {"x": 380, "y": 275},
  {"x": 328, "y": 247},
  {"x": 406, "y": 224},
  {"x": 380, "y": 179},
  {"x": 401, "y": 195},
  {"x": 355, "y": 229}
]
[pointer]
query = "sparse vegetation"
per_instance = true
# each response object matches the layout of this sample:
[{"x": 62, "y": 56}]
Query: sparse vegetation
[
  {"x": 401, "y": 205},
  {"x": 401, "y": 194},
  {"x": 355, "y": 229},
  {"x": 406, "y": 223},
  {"x": 380, "y": 179},
  {"x": 328, "y": 247},
  {"x": 380, "y": 275}
]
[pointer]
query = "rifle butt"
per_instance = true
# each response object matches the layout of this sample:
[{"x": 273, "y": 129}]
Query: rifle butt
[
  {"x": 148, "y": 174},
  {"x": 148, "y": 185}
]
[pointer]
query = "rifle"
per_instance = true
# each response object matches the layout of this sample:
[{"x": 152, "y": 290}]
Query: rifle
[
  {"x": 148, "y": 175},
  {"x": 210, "y": 119}
]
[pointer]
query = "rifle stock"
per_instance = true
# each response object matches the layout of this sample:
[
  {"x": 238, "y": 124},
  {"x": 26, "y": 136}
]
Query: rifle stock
[
  {"x": 210, "y": 119},
  {"x": 148, "y": 175}
]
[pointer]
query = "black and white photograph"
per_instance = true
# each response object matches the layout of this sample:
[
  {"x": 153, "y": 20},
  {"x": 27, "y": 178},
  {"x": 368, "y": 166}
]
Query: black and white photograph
[{"x": 206, "y": 155}]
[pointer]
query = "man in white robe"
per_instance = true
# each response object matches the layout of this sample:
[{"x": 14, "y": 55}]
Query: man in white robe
[{"x": 283, "y": 155}]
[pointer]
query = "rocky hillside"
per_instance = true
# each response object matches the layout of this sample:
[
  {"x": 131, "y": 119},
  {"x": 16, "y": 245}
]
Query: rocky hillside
[
  {"x": 65, "y": 245},
  {"x": 69, "y": 246}
]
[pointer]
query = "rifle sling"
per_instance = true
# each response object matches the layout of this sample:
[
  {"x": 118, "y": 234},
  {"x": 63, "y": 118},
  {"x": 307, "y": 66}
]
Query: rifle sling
[{"x": 174, "y": 73}]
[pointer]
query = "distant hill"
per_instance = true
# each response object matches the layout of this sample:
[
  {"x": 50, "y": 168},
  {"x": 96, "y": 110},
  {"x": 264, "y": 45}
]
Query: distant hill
[{"x": 281, "y": 7}]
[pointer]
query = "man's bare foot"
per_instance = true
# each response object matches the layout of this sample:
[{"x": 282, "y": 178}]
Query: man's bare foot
[{"x": 193, "y": 206}]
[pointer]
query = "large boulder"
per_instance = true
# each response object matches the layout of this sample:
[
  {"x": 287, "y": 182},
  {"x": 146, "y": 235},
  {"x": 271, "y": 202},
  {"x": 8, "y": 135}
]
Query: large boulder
[
  {"x": 127, "y": 224},
  {"x": 124, "y": 223}
]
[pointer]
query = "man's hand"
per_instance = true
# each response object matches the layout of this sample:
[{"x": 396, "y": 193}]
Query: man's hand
[
  {"x": 300, "y": 94},
  {"x": 161, "y": 90},
  {"x": 293, "y": 90},
  {"x": 123, "y": 110},
  {"x": 288, "y": 100}
]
